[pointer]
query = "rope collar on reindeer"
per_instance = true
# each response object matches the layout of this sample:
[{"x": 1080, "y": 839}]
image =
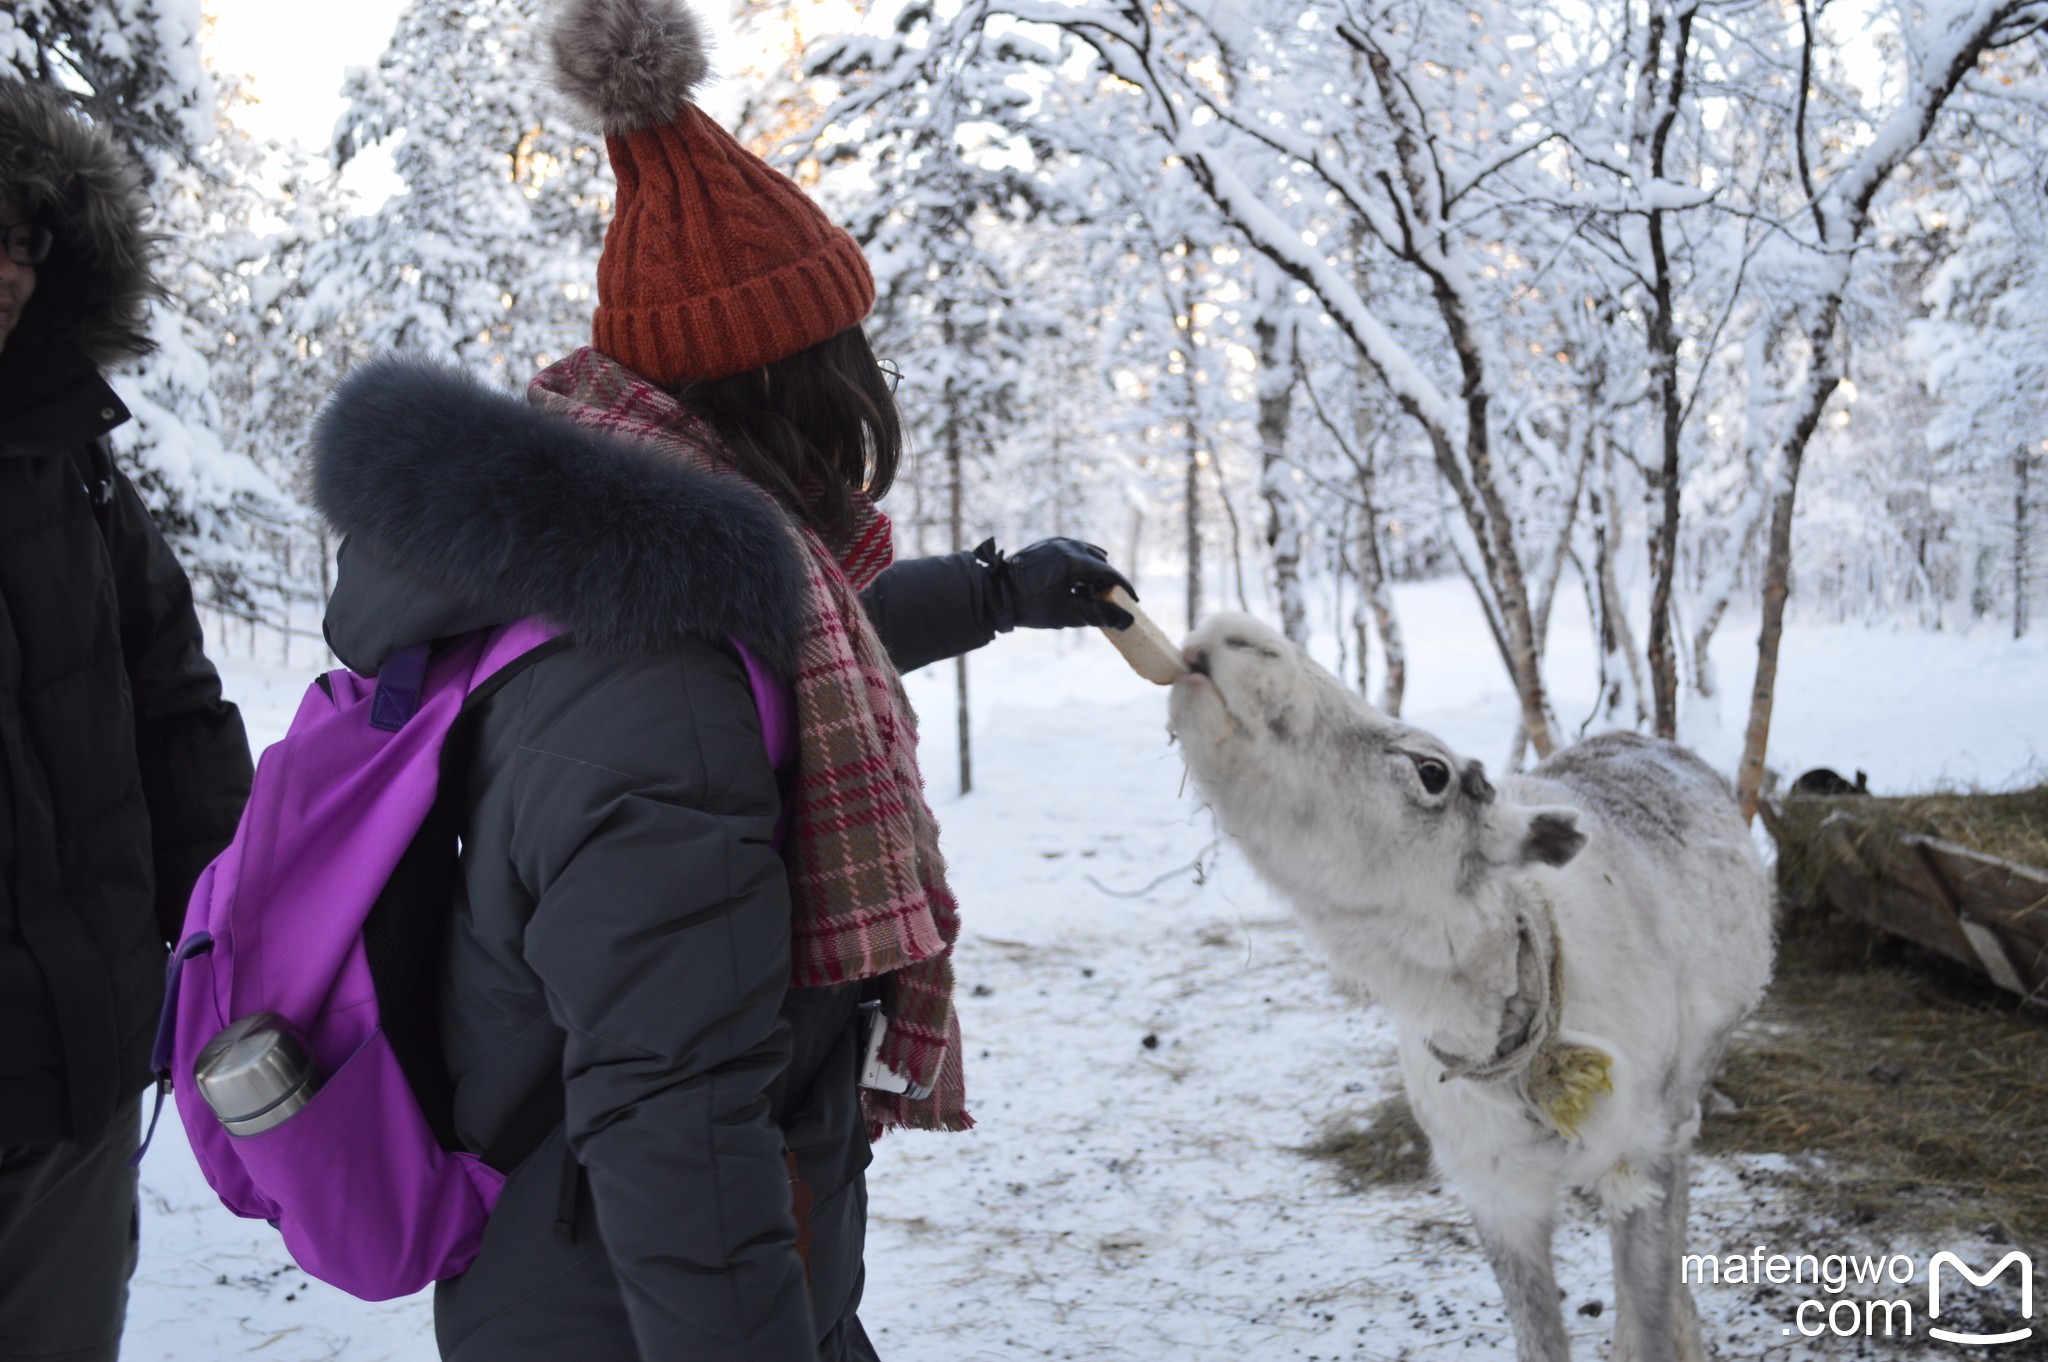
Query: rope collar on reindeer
[{"x": 1560, "y": 1083}]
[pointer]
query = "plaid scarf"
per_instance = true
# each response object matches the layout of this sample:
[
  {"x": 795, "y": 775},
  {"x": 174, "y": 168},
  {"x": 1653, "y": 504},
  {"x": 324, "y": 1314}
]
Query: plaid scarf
[{"x": 867, "y": 882}]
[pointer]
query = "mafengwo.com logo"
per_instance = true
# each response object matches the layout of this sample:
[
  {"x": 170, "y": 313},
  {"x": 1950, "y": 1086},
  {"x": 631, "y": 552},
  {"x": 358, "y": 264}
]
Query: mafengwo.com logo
[{"x": 1869, "y": 1296}]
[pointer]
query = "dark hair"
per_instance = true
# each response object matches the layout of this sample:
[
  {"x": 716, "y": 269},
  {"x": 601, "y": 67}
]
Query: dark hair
[{"x": 812, "y": 427}]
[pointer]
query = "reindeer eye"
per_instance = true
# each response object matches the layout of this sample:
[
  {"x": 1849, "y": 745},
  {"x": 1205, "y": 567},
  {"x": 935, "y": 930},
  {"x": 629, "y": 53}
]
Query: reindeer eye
[
  {"x": 1435, "y": 776},
  {"x": 1245, "y": 645}
]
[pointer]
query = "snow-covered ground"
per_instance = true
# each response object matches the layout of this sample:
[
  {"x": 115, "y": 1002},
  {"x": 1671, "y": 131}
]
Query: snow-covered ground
[{"x": 1150, "y": 1041}]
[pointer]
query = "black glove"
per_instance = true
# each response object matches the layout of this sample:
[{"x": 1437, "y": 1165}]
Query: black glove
[{"x": 1054, "y": 584}]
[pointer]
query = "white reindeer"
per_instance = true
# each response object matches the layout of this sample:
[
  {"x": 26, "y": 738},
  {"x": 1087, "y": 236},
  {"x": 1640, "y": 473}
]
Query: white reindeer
[{"x": 1564, "y": 956}]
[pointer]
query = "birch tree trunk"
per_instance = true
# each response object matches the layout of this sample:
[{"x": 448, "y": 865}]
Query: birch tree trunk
[
  {"x": 1662, "y": 94},
  {"x": 1621, "y": 675},
  {"x": 2021, "y": 547},
  {"x": 1375, "y": 591},
  {"x": 1473, "y": 477},
  {"x": 1749, "y": 517},
  {"x": 1840, "y": 213},
  {"x": 955, "y": 496},
  {"x": 1191, "y": 432},
  {"x": 1561, "y": 550},
  {"x": 1192, "y": 530},
  {"x": 1376, "y": 596},
  {"x": 1283, "y": 519}
]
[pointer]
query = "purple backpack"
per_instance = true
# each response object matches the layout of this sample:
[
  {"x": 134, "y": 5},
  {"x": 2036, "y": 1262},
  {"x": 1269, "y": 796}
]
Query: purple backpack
[{"x": 329, "y": 908}]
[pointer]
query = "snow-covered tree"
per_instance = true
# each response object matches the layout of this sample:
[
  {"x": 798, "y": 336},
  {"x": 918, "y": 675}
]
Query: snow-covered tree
[
  {"x": 135, "y": 67},
  {"x": 489, "y": 251},
  {"x": 1972, "y": 246},
  {"x": 1599, "y": 257}
]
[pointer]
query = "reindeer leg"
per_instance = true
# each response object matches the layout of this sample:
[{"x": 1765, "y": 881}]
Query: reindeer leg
[
  {"x": 1689, "y": 1343},
  {"x": 1654, "y": 1317},
  {"x": 1518, "y": 1246}
]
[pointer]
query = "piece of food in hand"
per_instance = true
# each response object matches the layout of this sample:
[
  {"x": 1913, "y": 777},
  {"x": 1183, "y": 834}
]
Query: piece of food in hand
[{"x": 1144, "y": 645}]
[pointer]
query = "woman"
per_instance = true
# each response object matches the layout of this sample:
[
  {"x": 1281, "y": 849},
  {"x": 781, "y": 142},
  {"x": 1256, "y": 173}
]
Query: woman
[{"x": 660, "y": 946}]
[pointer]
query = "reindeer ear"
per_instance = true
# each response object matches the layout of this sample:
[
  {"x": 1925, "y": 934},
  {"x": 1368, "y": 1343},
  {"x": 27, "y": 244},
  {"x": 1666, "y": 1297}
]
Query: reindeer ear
[
  {"x": 1521, "y": 834},
  {"x": 1553, "y": 837}
]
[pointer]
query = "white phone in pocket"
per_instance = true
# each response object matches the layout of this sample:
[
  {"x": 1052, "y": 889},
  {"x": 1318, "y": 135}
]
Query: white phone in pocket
[{"x": 873, "y": 1072}]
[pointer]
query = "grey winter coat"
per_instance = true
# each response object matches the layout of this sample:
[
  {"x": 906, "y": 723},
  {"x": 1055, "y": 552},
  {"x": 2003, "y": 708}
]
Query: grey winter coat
[
  {"x": 122, "y": 770},
  {"x": 623, "y": 920}
]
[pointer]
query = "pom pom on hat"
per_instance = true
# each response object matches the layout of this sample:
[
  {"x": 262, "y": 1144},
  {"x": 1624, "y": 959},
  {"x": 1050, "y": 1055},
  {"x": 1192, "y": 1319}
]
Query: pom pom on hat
[
  {"x": 715, "y": 262},
  {"x": 629, "y": 64}
]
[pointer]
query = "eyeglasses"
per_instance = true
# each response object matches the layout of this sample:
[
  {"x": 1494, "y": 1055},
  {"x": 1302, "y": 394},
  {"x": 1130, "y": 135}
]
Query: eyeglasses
[
  {"x": 27, "y": 244},
  {"x": 890, "y": 373}
]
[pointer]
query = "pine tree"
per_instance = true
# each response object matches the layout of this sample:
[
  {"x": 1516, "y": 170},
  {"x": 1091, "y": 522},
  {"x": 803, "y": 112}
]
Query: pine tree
[
  {"x": 135, "y": 67},
  {"x": 489, "y": 253}
]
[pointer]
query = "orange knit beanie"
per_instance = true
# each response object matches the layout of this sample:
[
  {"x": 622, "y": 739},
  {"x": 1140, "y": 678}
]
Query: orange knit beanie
[{"x": 715, "y": 262}]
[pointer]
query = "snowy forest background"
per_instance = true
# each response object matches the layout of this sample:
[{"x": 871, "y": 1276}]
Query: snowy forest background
[{"x": 1670, "y": 312}]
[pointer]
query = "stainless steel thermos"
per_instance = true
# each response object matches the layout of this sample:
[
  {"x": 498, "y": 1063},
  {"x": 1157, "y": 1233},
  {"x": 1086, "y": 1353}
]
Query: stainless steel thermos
[{"x": 257, "y": 1073}]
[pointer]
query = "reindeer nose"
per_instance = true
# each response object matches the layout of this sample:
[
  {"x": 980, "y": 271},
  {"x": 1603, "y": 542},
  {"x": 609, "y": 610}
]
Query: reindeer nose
[{"x": 1197, "y": 659}]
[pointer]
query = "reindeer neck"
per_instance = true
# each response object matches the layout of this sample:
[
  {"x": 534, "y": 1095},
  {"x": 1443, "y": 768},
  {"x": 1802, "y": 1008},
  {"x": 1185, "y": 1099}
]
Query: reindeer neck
[{"x": 1448, "y": 971}]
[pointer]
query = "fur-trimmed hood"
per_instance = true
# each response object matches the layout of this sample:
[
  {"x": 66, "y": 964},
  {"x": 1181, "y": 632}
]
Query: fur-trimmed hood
[
  {"x": 478, "y": 510},
  {"x": 93, "y": 293}
]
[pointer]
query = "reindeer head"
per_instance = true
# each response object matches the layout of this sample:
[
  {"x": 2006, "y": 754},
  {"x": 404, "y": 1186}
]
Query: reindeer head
[{"x": 1330, "y": 797}]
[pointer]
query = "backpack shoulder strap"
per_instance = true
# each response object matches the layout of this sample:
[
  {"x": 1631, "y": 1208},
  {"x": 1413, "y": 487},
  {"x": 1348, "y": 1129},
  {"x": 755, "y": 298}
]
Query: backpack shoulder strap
[
  {"x": 511, "y": 651},
  {"x": 402, "y": 935},
  {"x": 775, "y": 702}
]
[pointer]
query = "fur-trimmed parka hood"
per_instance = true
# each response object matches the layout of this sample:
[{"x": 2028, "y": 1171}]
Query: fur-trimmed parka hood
[
  {"x": 464, "y": 508},
  {"x": 93, "y": 293}
]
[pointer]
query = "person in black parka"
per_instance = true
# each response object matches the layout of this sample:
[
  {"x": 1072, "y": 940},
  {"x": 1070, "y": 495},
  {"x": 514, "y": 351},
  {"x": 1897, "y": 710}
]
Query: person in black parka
[
  {"x": 659, "y": 942},
  {"x": 624, "y": 919},
  {"x": 122, "y": 770}
]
